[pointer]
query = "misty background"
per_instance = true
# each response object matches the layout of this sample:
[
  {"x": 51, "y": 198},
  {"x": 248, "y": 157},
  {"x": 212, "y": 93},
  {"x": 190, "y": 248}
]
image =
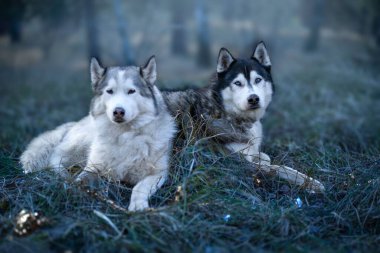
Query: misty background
[
  {"x": 317, "y": 48},
  {"x": 61, "y": 35}
]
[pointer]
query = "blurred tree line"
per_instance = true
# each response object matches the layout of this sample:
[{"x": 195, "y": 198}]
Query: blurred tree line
[
  {"x": 359, "y": 16},
  {"x": 57, "y": 13}
]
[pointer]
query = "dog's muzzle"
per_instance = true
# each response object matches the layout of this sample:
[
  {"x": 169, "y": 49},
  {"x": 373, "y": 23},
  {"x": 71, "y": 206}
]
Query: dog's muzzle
[
  {"x": 118, "y": 115},
  {"x": 253, "y": 102}
]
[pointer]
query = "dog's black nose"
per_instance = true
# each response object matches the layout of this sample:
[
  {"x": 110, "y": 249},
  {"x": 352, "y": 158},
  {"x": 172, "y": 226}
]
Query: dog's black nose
[
  {"x": 253, "y": 99},
  {"x": 118, "y": 112}
]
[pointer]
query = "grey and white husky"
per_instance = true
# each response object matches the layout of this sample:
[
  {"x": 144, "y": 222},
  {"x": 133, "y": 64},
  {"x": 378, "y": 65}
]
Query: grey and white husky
[
  {"x": 231, "y": 107},
  {"x": 126, "y": 137}
]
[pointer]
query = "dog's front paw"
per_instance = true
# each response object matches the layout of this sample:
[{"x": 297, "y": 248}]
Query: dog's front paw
[
  {"x": 88, "y": 179},
  {"x": 314, "y": 186},
  {"x": 138, "y": 205},
  {"x": 262, "y": 159}
]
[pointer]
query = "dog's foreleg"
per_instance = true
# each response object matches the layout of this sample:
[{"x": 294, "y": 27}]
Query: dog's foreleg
[
  {"x": 144, "y": 189},
  {"x": 293, "y": 176},
  {"x": 251, "y": 153},
  {"x": 57, "y": 162},
  {"x": 263, "y": 163},
  {"x": 94, "y": 166}
]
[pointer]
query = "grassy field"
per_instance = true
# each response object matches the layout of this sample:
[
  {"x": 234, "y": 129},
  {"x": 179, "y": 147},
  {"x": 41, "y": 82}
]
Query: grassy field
[{"x": 324, "y": 121}]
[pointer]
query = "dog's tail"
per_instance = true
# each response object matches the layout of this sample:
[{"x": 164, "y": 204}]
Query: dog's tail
[{"x": 37, "y": 154}]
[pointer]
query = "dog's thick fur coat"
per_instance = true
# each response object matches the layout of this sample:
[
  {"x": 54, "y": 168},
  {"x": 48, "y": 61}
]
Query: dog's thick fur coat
[
  {"x": 127, "y": 136},
  {"x": 230, "y": 110}
]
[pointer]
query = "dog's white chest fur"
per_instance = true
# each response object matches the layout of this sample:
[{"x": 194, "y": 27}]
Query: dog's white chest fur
[{"x": 129, "y": 154}]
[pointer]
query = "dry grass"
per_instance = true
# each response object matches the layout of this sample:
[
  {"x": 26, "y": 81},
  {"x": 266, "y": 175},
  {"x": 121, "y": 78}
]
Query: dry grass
[{"x": 324, "y": 121}]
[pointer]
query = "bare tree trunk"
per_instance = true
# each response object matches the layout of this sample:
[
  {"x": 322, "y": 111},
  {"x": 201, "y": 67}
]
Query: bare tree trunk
[
  {"x": 204, "y": 54},
  {"x": 276, "y": 26},
  {"x": 122, "y": 26},
  {"x": 179, "y": 38},
  {"x": 11, "y": 16},
  {"x": 313, "y": 17},
  {"x": 376, "y": 30},
  {"x": 92, "y": 31}
]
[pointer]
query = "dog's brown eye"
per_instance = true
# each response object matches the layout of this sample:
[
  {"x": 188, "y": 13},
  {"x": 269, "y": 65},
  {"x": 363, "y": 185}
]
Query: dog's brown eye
[
  {"x": 257, "y": 80},
  {"x": 131, "y": 91},
  {"x": 237, "y": 83},
  {"x": 110, "y": 91}
]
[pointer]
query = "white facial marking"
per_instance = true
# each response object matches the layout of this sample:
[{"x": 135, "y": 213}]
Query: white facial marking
[
  {"x": 128, "y": 84},
  {"x": 258, "y": 88},
  {"x": 120, "y": 76},
  {"x": 120, "y": 99},
  {"x": 236, "y": 95},
  {"x": 111, "y": 83},
  {"x": 263, "y": 89},
  {"x": 240, "y": 78}
]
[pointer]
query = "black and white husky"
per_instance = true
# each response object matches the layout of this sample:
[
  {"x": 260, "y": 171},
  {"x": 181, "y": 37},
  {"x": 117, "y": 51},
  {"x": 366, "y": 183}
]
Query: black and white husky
[
  {"x": 127, "y": 136},
  {"x": 231, "y": 108}
]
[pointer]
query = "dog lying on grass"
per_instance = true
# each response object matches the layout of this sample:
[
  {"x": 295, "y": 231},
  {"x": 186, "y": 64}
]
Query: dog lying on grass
[
  {"x": 230, "y": 110},
  {"x": 127, "y": 136}
]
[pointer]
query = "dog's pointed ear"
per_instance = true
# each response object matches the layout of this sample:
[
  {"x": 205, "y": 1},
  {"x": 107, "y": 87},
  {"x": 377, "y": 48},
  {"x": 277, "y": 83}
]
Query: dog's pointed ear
[
  {"x": 149, "y": 70},
  {"x": 261, "y": 55},
  {"x": 96, "y": 70},
  {"x": 225, "y": 59}
]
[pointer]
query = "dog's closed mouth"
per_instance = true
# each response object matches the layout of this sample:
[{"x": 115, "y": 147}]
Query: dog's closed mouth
[
  {"x": 118, "y": 120},
  {"x": 253, "y": 107}
]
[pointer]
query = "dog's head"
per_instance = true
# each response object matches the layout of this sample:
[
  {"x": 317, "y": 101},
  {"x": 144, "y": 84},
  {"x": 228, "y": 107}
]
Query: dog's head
[
  {"x": 123, "y": 93},
  {"x": 245, "y": 85}
]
